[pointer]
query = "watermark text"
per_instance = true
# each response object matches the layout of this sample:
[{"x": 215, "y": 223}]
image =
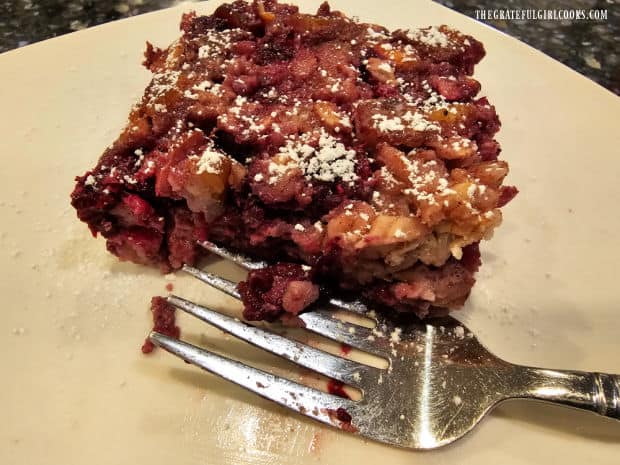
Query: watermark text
[{"x": 542, "y": 15}]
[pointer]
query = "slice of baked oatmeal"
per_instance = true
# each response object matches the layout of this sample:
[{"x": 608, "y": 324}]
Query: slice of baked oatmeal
[{"x": 351, "y": 156}]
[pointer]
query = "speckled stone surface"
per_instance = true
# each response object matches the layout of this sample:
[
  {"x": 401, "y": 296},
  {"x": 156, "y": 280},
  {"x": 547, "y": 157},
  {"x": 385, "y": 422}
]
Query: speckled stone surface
[{"x": 590, "y": 47}]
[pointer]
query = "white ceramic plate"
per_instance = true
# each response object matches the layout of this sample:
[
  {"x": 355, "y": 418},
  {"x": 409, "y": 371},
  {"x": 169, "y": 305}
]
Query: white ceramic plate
[{"x": 75, "y": 388}]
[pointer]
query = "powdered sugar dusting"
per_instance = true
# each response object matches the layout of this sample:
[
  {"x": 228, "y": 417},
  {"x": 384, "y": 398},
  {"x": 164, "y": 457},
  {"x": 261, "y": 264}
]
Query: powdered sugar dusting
[
  {"x": 329, "y": 161},
  {"x": 431, "y": 36},
  {"x": 210, "y": 161}
]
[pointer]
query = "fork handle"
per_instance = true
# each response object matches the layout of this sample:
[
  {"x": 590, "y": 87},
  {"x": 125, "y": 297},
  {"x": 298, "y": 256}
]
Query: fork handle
[{"x": 597, "y": 392}]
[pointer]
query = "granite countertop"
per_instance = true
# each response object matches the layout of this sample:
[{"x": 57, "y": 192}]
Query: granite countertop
[{"x": 591, "y": 48}]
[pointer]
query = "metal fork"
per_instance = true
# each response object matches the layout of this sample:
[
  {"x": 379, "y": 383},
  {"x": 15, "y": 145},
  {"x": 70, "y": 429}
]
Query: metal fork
[{"x": 439, "y": 383}]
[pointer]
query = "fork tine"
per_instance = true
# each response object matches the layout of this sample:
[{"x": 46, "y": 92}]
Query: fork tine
[
  {"x": 354, "y": 306},
  {"x": 344, "y": 370},
  {"x": 319, "y": 321},
  {"x": 240, "y": 259},
  {"x": 215, "y": 281},
  {"x": 246, "y": 262},
  {"x": 308, "y": 401},
  {"x": 324, "y": 323}
]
